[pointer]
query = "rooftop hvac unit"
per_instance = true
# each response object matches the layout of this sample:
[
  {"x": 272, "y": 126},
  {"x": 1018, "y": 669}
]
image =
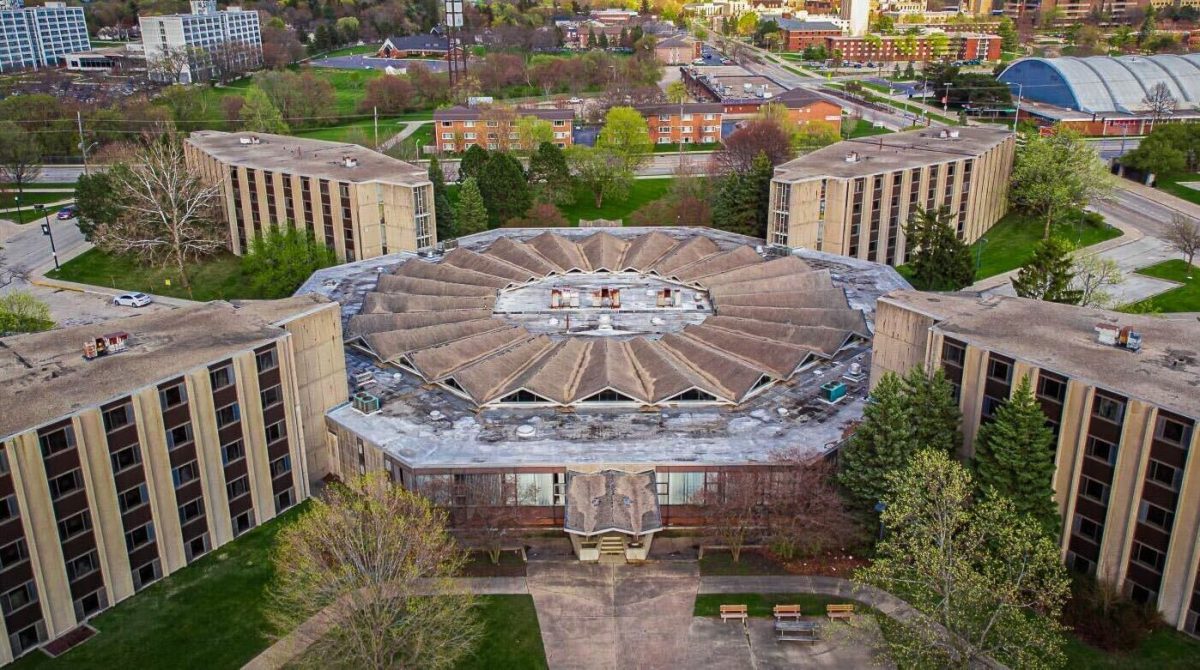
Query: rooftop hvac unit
[
  {"x": 104, "y": 345},
  {"x": 833, "y": 391},
  {"x": 365, "y": 402},
  {"x": 349, "y": 161}
]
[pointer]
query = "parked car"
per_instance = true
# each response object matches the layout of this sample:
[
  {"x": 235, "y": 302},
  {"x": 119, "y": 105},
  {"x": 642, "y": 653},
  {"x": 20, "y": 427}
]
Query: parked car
[
  {"x": 68, "y": 212},
  {"x": 133, "y": 300},
  {"x": 575, "y": 101}
]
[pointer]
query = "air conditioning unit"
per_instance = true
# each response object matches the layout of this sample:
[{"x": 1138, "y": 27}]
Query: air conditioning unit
[
  {"x": 364, "y": 402},
  {"x": 832, "y": 392}
]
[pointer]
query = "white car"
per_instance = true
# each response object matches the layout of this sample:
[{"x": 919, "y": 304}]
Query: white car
[
  {"x": 133, "y": 300},
  {"x": 575, "y": 101}
]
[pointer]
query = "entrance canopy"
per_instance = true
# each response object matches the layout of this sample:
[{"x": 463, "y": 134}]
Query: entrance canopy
[{"x": 612, "y": 501}]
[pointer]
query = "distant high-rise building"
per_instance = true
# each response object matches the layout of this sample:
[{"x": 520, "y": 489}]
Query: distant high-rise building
[
  {"x": 39, "y": 36},
  {"x": 858, "y": 14},
  {"x": 203, "y": 45}
]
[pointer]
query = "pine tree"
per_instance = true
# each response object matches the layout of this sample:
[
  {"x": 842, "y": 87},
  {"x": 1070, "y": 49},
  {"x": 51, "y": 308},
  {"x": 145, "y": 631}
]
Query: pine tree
[
  {"x": 472, "y": 162},
  {"x": 1049, "y": 274},
  {"x": 940, "y": 261},
  {"x": 936, "y": 417},
  {"x": 1014, "y": 456},
  {"x": 883, "y": 442},
  {"x": 441, "y": 202},
  {"x": 592, "y": 39},
  {"x": 760, "y": 175},
  {"x": 735, "y": 207},
  {"x": 603, "y": 40},
  {"x": 550, "y": 175},
  {"x": 470, "y": 214},
  {"x": 505, "y": 188}
]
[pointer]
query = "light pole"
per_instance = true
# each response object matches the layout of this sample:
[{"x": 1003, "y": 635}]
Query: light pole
[
  {"x": 49, "y": 233},
  {"x": 17, "y": 199},
  {"x": 979, "y": 254},
  {"x": 84, "y": 151},
  {"x": 1017, "y": 113}
]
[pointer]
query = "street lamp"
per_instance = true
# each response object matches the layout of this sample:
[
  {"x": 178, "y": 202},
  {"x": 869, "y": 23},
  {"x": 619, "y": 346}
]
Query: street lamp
[
  {"x": 1017, "y": 113},
  {"x": 17, "y": 199},
  {"x": 47, "y": 232},
  {"x": 979, "y": 254},
  {"x": 84, "y": 150}
]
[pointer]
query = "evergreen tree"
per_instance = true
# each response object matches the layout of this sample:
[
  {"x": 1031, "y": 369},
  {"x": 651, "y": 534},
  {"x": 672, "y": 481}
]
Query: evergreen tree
[
  {"x": 441, "y": 202},
  {"x": 1049, "y": 274},
  {"x": 936, "y": 417},
  {"x": 505, "y": 188},
  {"x": 470, "y": 214},
  {"x": 472, "y": 162},
  {"x": 644, "y": 10},
  {"x": 735, "y": 207},
  {"x": 259, "y": 115},
  {"x": 1014, "y": 457},
  {"x": 592, "y": 39},
  {"x": 882, "y": 444},
  {"x": 623, "y": 39},
  {"x": 940, "y": 261},
  {"x": 760, "y": 175},
  {"x": 550, "y": 176},
  {"x": 603, "y": 40}
]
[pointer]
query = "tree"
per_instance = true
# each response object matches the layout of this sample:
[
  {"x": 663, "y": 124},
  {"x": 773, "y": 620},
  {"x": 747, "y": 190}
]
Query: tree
[
  {"x": 442, "y": 212},
  {"x": 758, "y": 136},
  {"x": 742, "y": 202},
  {"x": 676, "y": 92},
  {"x": 20, "y": 157},
  {"x": 1093, "y": 275},
  {"x": 602, "y": 171},
  {"x": 1014, "y": 457},
  {"x": 259, "y": 115},
  {"x": 540, "y": 215},
  {"x": 881, "y": 444},
  {"x": 1183, "y": 234},
  {"x": 280, "y": 260},
  {"x": 939, "y": 45},
  {"x": 347, "y": 29},
  {"x": 1048, "y": 275},
  {"x": 485, "y": 512},
  {"x": 746, "y": 24},
  {"x": 806, "y": 515},
  {"x": 98, "y": 201},
  {"x": 388, "y": 95},
  {"x": 987, "y": 579},
  {"x": 472, "y": 162},
  {"x": 504, "y": 187},
  {"x": 1148, "y": 27},
  {"x": 280, "y": 47},
  {"x": 470, "y": 214},
  {"x": 1168, "y": 149},
  {"x": 550, "y": 175},
  {"x": 734, "y": 507},
  {"x": 1056, "y": 173},
  {"x": 168, "y": 215},
  {"x": 939, "y": 261},
  {"x": 626, "y": 135},
  {"x": 532, "y": 132},
  {"x": 377, "y": 562},
  {"x": 1009, "y": 39},
  {"x": 21, "y": 312},
  {"x": 936, "y": 421},
  {"x": 1159, "y": 102}
]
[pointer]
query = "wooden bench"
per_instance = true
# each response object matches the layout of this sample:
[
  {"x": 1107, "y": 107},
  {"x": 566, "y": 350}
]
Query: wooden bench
[
  {"x": 787, "y": 612},
  {"x": 845, "y": 611},
  {"x": 797, "y": 631},
  {"x": 738, "y": 612}
]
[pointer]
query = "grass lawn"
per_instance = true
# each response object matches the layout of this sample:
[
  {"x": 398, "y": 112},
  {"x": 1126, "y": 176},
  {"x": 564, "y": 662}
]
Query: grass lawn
[
  {"x": 351, "y": 51},
  {"x": 357, "y": 132},
  {"x": 641, "y": 192},
  {"x": 752, "y": 562},
  {"x": 1165, "y": 649},
  {"x": 9, "y": 199},
  {"x": 763, "y": 604},
  {"x": 1171, "y": 184},
  {"x": 674, "y": 148},
  {"x": 511, "y": 638},
  {"x": 864, "y": 128},
  {"x": 1185, "y": 298},
  {"x": 215, "y": 279},
  {"x": 207, "y": 615}
]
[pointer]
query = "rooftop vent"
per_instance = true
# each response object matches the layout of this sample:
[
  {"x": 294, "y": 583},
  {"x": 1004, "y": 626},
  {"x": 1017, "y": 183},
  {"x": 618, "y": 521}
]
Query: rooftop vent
[
  {"x": 943, "y": 133},
  {"x": 953, "y": 134},
  {"x": 366, "y": 403},
  {"x": 243, "y": 140},
  {"x": 104, "y": 345},
  {"x": 1124, "y": 337},
  {"x": 852, "y": 157},
  {"x": 349, "y": 161}
]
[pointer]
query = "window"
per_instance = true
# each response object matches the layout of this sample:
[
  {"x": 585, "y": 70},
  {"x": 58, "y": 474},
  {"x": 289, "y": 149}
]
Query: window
[
  {"x": 221, "y": 377},
  {"x": 1102, "y": 450},
  {"x": 172, "y": 396},
  {"x": 139, "y": 536},
  {"x": 284, "y": 500},
  {"x": 1173, "y": 431},
  {"x": 282, "y": 465},
  {"x": 118, "y": 417},
  {"x": 1052, "y": 387},
  {"x": 57, "y": 440},
  {"x": 179, "y": 435},
  {"x": 185, "y": 473},
  {"x": 228, "y": 414},
  {"x": 133, "y": 498},
  {"x": 74, "y": 525},
  {"x": 233, "y": 452},
  {"x": 13, "y": 553},
  {"x": 1087, "y": 529},
  {"x": 276, "y": 431},
  {"x": 191, "y": 510},
  {"x": 8, "y": 507},
  {"x": 990, "y": 405},
  {"x": 19, "y": 597},
  {"x": 126, "y": 458},
  {"x": 1109, "y": 409},
  {"x": 272, "y": 396},
  {"x": 1094, "y": 490},
  {"x": 238, "y": 487},
  {"x": 1149, "y": 556},
  {"x": 1153, "y": 515},
  {"x": 999, "y": 369},
  {"x": 1164, "y": 475},
  {"x": 953, "y": 353},
  {"x": 66, "y": 484},
  {"x": 82, "y": 566},
  {"x": 196, "y": 548},
  {"x": 4, "y": 469},
  {"x": 266, "y": 360}
]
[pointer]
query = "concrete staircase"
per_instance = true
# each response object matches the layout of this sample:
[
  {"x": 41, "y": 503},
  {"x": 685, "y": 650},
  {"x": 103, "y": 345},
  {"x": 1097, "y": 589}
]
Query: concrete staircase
[{"x": 612, "y": 549}]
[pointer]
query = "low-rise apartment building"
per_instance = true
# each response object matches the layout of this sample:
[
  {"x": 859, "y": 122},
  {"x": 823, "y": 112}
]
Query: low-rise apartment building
[
  {"x": 130, "y": 449},
  {"x": 854, "y": 197},
  {"x": 689, "y": 123},
  {"x": 806, "y": 107},
  {"x": 1127, "y": 482},
  {"x": 891, "y": 48},
  {"x": 677, "y": 50},
  {"x": 800, "y": 35},
  {"x": 496, "y": 128},
  {"x": 40, "y": 36},
  {"x": 359, "y": 202}
]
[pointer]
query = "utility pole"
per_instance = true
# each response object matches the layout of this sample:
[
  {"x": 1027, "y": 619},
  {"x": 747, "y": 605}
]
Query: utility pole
[
  {"x": 47, "y": 232},
  {"x": 946, "y": 99},
  {"x": 375, "y": 111},
  {"x": 83, "y": 147},
  {"x": 1017, "y": 112}
]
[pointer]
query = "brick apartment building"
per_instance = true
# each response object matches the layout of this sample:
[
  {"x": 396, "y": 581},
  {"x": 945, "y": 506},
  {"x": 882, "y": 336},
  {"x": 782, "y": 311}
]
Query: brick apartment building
[
  {"x": 677, "y": 50},
  {"x": 800, "y": 35},
  {"x": 495, "y": 128},
  {"x": 689, "y": 123},
  {"x": 962, "y": 46}
]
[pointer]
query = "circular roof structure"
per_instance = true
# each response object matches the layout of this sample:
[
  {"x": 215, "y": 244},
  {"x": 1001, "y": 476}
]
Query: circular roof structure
[
  {"x": 648, "y": 320},
  {"x": 1103, "y": 84}
]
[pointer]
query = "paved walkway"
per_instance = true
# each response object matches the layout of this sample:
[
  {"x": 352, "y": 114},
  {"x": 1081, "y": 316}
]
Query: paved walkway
[{"x": 409, "y": 128}]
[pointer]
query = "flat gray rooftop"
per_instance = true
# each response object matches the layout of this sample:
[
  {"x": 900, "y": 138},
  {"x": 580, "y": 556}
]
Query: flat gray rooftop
[
  {"x": 302, "y": 156},
  {"x": 1062, "y": 339},
  {"x": 897, "y": 151}
]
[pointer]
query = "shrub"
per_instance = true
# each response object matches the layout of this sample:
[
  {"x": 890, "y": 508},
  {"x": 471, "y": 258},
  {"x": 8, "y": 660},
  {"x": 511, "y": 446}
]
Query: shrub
[{"x": 1105, "y": 618}]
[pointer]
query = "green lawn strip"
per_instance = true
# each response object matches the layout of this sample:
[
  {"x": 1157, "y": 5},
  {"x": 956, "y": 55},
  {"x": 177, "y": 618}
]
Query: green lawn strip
[
  {"x": 207, "y": 615},
  {"x": 1172, "y": 184},
  {"x": 1165, "y": 649},
  {"x": 217, "y": 278},
  {"x": 349, "y": 51},
  {"x": 8, "y": 199},
  {"x": 1185, "y": 298},
  {"x": 864, "y": 128},
  {"x": 751, "y": 562},
  {"x": 363, "y": 130},
  {"x": 674, "y": 148},
  {"x": 763, "y": 604},
  {"x": 641, "y": 192},
  {"x": 29, "y": 214},
  {"x": 511, "y": 638}
]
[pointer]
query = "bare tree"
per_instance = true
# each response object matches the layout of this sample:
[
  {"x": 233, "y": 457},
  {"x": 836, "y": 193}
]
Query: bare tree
[
  {"x": 1093, "y": 275},
  {"x": 1159, "y": 102},
  {"x": 734, "y": 505},
  {"x": 170, "y": 213},
  {"x": 375, "y": 561},
  {"x": 1183, "y": 233},
  {"x": 20, "y": 158},
  {"x": 170, "y": 65},
  {"x": 806, "y": 515},
  {"x": 484, "y": 511}
]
